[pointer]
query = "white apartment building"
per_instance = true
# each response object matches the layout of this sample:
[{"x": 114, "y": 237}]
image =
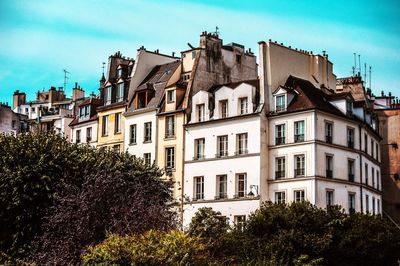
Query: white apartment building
[
  {"x": 317, "y": 150},
  {"x": 147, "y": 85},
  {"x": 222, "y": 151},
  {"x": 85, "y": 125}
]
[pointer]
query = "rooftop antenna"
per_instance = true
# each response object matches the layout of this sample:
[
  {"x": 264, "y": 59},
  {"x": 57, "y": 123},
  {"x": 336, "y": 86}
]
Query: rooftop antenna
[
  {"x": 65, "y": 78},
  {"x": 355, "y": 63},
  {"x": 359, "y": 65},
  {"x": 370, "y": 70},
  {"x": 104, "y": 64},
  {"x": 217, "y": 31},
  {"x": 365, "y": 74}
]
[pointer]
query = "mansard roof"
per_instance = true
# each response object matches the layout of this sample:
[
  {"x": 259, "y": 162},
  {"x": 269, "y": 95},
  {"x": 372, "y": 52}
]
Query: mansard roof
[{"x": 233, "y": 85}]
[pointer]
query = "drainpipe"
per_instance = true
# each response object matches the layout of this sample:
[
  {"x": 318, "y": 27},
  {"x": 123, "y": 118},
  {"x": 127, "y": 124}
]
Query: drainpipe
[
  {"x": 183, "y": 166},
  {"x": 361, "y": 168}
]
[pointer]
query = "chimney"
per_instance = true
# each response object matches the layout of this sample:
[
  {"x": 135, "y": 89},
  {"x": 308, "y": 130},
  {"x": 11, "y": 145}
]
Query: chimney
[
  {"x": 18, "y": 98},
  {"x": 77, "y": 92},
  {"x": 265, "y": 79}
]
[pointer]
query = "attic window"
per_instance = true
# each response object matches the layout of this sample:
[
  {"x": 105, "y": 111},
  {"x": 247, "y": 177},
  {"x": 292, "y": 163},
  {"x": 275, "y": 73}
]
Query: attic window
[
  {"x": 120, "y": 72},
  {"x": 238, "y": 58},
  {"x": 194, "y": 55},
  {"x": 170, "y": 96},
  {"x": 141, "y": 100},
  {"x": 280, "y": 104},
  {"x": 349, "y": 108}
]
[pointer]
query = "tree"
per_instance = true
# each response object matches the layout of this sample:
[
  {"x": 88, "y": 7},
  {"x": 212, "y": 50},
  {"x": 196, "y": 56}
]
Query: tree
[
  {"x": 67, "y": 196},
  {"x": 151, "y": 248}
]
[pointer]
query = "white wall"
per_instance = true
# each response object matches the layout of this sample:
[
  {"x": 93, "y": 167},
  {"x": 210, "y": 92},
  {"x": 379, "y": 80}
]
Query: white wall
[{"x": 83, "y": 127}]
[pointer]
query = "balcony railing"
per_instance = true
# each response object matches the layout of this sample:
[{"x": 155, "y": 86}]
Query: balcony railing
[
  {"x": 221, "y": 154},
  {"x": 351, "y": 177},
  {"x": 279, "y": 174},
  {"x": 329, "y": 173},
  {"x": 299, "y": 172},
  {"x": 328, "y": 139},
  {"x": 242, "y": 151},
  {"x": 350, "y": 144},
  {"x": 279, "y": 140},
  {"x": 299, "y": 138}
]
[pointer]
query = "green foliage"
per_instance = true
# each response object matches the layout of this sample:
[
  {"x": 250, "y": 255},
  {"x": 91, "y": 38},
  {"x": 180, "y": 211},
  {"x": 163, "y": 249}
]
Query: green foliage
[
  {"x": 151, "y": 248},
  {"x": 45, "y": 180},
  {"x": 208, "y": 224}
]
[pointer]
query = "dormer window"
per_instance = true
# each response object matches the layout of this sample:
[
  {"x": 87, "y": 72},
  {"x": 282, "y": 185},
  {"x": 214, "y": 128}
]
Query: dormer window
[
  {"x": 84, "y": 111},
  {"x": 120, "y": 92},
  {"x": 120, "y": 72},
  {"x": 107, "y": 95},
  {"x": 200, "y": 112},
  {"x": 194, "y": 55},
  {"x": 349, "y": 107},
  {"x": 141, "y": 100},
  {"x": 223, "y": 105},
  {"x": 170, "y": 96},
  {"x": 280, "y": 104},
  {"x": 243, "y": 105}
]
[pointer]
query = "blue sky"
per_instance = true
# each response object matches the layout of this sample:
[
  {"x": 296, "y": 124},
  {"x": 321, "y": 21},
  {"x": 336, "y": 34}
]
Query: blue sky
[{"x": 38, "y": 39}]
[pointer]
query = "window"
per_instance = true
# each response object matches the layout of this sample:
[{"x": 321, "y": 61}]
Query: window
[
  {"x": 280, "y": 197},
  {"x": 107, "y": 95},
  {"x": 13, "y": 124},
  {"x": 298, "y": 131},
  {"x": 280, "y": 134},
  {"x": 141, "y": 101},
  {"x": 170, "y": 96},
  {"x": 120, "y": 72},
  {"x": 78, "y": 136},
  {"x": 365, "y": 143},
  {"x": 200, "y": 112},
  {"x": 194, "y": 55},
  {"x": 238, "y": 58},
  {"x": 26, "y": 110},
  {"x": 241, "y": 181},
  {"x": 352, "y": 203},
  {"x": 350, "y": 169},
  {"x": 373, "y": 205},
  {"x": 199, "y": 187},
  {"x": 280, "y": 104},
  {"x": 328, "y": 132},
  {"x": 298, "y": 195},
  {"x": 87, "y": 110},
  {"x": 377, "y": 180},
  {"x": 280, "y": 168},
  {"x": 117, "y": 148},
  {"x": 300, "y": 169},
  {"x": 33, "y": 109},
  {"x": 378, "y": 206},
  {"x": 243, "y": 105},
  {"x": 377, "y": 151},
  {"x": 240, "y": 221},
  {"x": 88, "y": 134},
  {"x": 349, "y": 108},
  {"x": 223, "y": 105},
  {"x": 329, "y": 166},
  {"x": 241, "y": 142},
  {"x": 132, "y": 132},
  {"x": 222, "y": 184},
  {"x": 350, "y": 138},
  {"x": 118, "y": 117},
  {"x": 120, "y": 92},
  {"x": 372, "y": 147},
  {"x": 82, "y": 112},
  {"x": 105, "y": 126},
  {"x": 222, "y": 149},
  {"x": 366, "y": 203},
  {"x": 147, "y": 132},
  {"x": 373, "y": 176},
  {"x": 329, "y": 198},
  {"x": 147, "y": 158},
  {"x": 170, "y": 158},
  {"x": 170, "y": 126},
  {"x": 199, "y": 148},
  {"x": 366, "y": 174}
]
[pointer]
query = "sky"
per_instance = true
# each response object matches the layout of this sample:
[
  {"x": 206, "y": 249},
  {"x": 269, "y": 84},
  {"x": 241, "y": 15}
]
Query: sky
[{"x": 38, "y": 39}]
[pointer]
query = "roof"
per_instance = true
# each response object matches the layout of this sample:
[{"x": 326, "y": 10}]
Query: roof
[
  {"x": 91, "y": 101},
  {"x": 339, "y": 96},
  {"x": 156, "y": 80},
  {"x": 233, "y": 85}
]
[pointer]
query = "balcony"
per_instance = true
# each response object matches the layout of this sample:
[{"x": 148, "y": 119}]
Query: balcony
[
  {"x": 351, "y": 177},
  {"x": 328, "y": 139},
  {"x": 350, "y": 144},
  {"x": 279, "y": 174},
  {"x": 299, "y": 138},
  {"x": 299, "y": 172},
  {"x": 329, "y": 173},
  {"x": 221, "y": 154},
  {"x": 241, "y": 152},
  {"x": 279, "y": 140}
]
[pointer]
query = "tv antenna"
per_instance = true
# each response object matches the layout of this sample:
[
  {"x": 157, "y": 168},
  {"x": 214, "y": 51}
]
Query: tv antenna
[
  {"x": 217, "y": 31},
  {"x": 65, "y": 78},
  {"x": 103, "y": 67}
]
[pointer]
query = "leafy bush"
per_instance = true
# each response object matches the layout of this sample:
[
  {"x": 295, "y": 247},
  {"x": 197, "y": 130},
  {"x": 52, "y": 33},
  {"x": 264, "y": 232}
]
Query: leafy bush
[
  {"x": 67, "y": 196},
  {"x": 151, "y": 248}
]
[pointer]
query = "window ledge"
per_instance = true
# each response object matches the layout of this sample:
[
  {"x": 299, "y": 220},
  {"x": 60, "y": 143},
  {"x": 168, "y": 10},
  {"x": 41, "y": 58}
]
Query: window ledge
[
  {"x": 132, "y": 144},
  {"x": 147, "y": 141},
  {"x": 170, "y": 137}
]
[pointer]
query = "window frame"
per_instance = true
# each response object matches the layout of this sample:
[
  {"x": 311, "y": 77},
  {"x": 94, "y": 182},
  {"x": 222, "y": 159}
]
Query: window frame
[
  {"x": 241, "y": 185},
  {"x": 170, "y": 158},
  {"x": 198, "y": 188},
  {"x": 132, "y": 134},
  {"x": 147, "y": 137}
]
